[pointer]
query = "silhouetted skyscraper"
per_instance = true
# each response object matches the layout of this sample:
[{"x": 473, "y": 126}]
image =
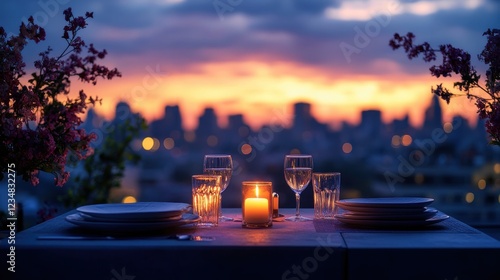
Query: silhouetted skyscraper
[
  {"x": 169, "y": 126},
  {"x": 371, "y": 123},
  {"x": 401, "y": 126},
  {"x": 122, "y": 111},
  {"x": 173, "y": 125},
  {"x": 207, "y": 126},
  {"x": 173, "y": 118},
  {"x": 237, "y": 125},
  {"x": 433, "y": 115},
  {"x": 123, "y": 114},
  {"x": 302, "y": 116}
]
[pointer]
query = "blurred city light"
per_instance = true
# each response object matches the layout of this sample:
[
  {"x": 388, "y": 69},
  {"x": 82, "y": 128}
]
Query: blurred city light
[
  {"x": 212, "y": 141},
  {"x": 496, "y": 168},
  {"x": 246, "y": 149},
  {"x": 396, "y": 141},
  {"x": 481, "y": 184},
  {"x": 469, "y": 197},
  {"x": 189, "y": 136},
  {"x": 406, "y": 140},
  {"x": 448, "y": 127},
  {"x": 129, "y": 199},
  {"x": 168, "y": 143},
  {"x": 419, "y": 178},
  {"x": 148, "y": 143},
  {"x": 347, "y": 148}
]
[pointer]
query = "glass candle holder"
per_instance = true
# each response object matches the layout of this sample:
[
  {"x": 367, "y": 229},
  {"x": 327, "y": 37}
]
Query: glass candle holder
[{"x": 257, "y": 204}]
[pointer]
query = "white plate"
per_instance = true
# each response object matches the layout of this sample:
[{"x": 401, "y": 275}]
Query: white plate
[
  {"x": 121, "y": 220},
  {"x": 387, "y": 202},
  {"x": 77, "y": 219},
  {"x": 381, "y": 210},
  {"x": 135, "y": 211},
  {"x": 428, "y": 213},
  {"x": 392, "y": 223}
]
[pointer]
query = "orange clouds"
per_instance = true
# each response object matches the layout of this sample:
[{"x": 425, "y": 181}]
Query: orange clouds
[{"x": 263, "y": 90}]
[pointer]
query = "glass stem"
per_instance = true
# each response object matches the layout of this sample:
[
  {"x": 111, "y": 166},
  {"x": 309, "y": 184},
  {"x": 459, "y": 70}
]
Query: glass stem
[
  {"x": 220, "y": 206},
  {"x": 297, "y": 207}
]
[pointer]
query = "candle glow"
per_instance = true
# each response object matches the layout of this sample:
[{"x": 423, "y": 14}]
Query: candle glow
[
  {"x": 256, "y": 209},
  {"x": 256, "y": 204}
]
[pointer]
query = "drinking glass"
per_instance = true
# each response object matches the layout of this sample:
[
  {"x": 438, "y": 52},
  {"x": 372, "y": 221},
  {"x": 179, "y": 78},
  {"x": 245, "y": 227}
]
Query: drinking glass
[
  {"x": 326, "y": 188},
  {"x": 206, "y": 199},
  {"x": 221, "y": 165},
  {"x": 298, "y": 170}
]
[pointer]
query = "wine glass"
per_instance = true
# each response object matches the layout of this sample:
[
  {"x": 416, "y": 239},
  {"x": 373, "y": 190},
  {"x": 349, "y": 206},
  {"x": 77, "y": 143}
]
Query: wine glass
[
  {"x": 298, "y": 170},
  {"x": 219, "y": 165}
]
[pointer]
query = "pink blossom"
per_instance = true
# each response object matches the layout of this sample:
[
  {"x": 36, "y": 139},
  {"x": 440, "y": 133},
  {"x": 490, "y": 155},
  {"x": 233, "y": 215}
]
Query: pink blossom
[
  {"x": 456, "y": 61},
  {"x": 46, "y": 145}
]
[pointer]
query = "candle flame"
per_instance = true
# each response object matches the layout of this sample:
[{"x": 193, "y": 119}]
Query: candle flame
[{"x": 256, "y": 191}]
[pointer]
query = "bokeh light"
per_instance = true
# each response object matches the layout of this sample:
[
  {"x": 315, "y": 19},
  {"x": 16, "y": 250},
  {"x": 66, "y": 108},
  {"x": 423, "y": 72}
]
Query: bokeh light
[
  {"x": 406, "y": 140},
  {"x": 347, "y": 148},
  {"x": 169, "y": 143},
  {"x": 469, "y": 197},
  {"x": 396, "y": 141},
  {"x": 212, "y": 141},
  {"x": 129, "y": 199},
  {"x": 448, "y": 127},
  {"x": 148, "y": 143},
  {"x": 246, "y": 149},
  {"x": 481, "y": 184}
]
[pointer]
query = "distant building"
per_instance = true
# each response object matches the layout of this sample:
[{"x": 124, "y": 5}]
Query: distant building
[
  {"x": 169, "y": 126},
  {"x": 371, "y": 125},
  {"x": 433, "y": 116},
  {"x": 237, "y": 126},
  {"x": 208, "y": 129}
]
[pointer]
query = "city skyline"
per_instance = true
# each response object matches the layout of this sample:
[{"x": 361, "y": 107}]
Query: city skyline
[
  {"x": 173, "y": 116},
  {"x": 263, "y": 56},
  {"x": 370, "y": 137},
  {"x": 394, "y": 158}
]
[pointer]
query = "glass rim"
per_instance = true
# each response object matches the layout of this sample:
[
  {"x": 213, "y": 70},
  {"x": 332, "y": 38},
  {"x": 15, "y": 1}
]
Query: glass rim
[
  {"x": 207, "y": 176},
  {"x": 256, "y": 182},
  {"x": 326, "y": 173},
  {"x": 218, "y": 155},
  {"x": 299, "y": 155}
]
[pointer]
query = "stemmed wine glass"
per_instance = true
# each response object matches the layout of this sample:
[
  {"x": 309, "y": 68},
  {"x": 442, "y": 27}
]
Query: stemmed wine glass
[
  {"x": 219, "y": 165},
  {"x": 298, "y": 170}
]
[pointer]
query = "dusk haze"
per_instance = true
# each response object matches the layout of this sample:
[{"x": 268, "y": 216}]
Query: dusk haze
[{"x": 259, "y": 57}]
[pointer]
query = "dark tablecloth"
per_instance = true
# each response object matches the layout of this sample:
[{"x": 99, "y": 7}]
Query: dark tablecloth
[{"x": 307, "y": 250}]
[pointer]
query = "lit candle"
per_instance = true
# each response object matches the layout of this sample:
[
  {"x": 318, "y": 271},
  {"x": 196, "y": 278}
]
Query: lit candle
[
  {"x": 256, "y": 209},
  {"x": 257, "y": 206}
]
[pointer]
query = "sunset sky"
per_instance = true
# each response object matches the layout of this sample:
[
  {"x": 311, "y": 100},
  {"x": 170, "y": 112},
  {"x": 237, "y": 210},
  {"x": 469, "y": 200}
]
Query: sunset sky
[{"x": 257, "y": 57}]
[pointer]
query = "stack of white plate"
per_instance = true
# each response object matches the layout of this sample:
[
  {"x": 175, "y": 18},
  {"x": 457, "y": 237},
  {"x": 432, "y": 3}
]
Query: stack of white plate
[
  {"x": 389, "y": 212},
  {"x": 133, "y": 217}
]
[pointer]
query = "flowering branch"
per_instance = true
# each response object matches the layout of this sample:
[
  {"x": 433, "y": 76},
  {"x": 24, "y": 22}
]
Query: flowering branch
[
  {"x": 40, "y": 130},
  {"x": 457, "y": 61}
]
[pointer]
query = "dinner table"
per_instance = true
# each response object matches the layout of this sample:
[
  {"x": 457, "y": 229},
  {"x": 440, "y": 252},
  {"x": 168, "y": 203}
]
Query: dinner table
[{"x": 316, "y": 249}]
